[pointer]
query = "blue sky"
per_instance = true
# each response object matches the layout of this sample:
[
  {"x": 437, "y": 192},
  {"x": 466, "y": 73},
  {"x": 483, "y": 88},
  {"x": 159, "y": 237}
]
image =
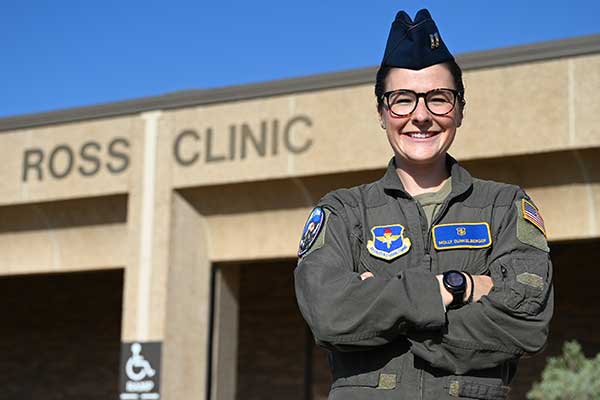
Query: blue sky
[{"x": 63, "y": 54}]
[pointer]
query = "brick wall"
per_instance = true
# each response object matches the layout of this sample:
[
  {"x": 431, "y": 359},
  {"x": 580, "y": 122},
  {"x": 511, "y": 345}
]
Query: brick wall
[
  {"x": 272, "y": 335},
  {"x": 60, "y": 336}
]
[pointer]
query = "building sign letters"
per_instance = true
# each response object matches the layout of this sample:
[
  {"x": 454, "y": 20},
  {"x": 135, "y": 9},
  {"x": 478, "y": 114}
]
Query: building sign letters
[
  {"x": 267, "y": 138},
  {"x": 64, "y": 160}
]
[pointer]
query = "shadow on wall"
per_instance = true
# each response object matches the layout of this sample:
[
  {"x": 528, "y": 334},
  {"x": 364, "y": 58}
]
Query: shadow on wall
[
  {"x": 64, "y": 214},
  {"x": 536, "y": 170}
]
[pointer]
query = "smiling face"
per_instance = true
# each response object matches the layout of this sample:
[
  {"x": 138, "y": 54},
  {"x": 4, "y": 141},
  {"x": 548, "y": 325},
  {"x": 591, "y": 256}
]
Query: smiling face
[{"x": 421, "y": 138}]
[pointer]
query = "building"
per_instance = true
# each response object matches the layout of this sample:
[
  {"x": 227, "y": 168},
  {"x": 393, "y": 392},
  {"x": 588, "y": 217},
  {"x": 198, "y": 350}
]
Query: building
[{"x": 172, "y": 222}]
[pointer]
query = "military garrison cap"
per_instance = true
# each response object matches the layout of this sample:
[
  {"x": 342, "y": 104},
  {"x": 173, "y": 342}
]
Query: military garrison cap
[{"x": 414, "y": 44}]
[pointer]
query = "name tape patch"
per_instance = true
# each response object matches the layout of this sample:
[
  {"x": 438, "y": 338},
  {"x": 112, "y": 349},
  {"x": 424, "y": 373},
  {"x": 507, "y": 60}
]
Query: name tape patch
[
  {"x": 467, "y": 235},
  {"x": 388, "y": 241}
]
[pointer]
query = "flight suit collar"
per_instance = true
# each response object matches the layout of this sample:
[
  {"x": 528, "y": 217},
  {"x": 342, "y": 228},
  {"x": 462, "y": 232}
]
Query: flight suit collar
[{"x": 461, "y": 178}]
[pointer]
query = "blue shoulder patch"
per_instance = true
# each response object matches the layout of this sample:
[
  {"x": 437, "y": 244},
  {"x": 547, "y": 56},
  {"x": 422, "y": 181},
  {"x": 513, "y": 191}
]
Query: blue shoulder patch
[
  {"x": 311, "y": 230},
  {"x": 466, "y": 235}
]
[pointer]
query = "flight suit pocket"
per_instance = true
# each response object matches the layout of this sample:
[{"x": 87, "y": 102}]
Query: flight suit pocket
[
  {"x": 374, "y": 379},
  {"x": 464, "y": 387},
  {"x": 528, "y": 282}
]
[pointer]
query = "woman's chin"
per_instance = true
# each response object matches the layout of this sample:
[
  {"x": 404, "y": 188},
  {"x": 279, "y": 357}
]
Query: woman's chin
[{"x": 420, "y": 158}]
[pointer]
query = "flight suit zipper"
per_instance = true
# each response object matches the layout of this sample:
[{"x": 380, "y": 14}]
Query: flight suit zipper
[
  {"x": 436, "y": 218},
  {"x": 426, "y": 230}
]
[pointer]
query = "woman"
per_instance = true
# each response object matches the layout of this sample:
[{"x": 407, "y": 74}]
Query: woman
[{"x": 426, "y": 284}]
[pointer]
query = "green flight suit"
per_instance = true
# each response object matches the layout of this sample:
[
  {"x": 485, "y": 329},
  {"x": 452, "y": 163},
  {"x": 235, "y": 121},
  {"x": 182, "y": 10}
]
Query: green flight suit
[{"x": 390, "y": 336}]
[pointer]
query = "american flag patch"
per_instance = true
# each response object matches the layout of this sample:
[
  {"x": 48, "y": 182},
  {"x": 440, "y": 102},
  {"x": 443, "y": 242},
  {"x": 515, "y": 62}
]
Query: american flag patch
[{"x": 531, "y": 214}]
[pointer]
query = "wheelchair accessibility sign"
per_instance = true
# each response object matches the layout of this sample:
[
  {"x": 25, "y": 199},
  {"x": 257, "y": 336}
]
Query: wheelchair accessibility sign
[{"x": 140, "y": 377}]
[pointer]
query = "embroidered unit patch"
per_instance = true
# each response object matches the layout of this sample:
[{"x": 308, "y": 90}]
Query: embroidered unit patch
[
  {"x": 388, "y": 241},
  {"x": 311, "y": 230},
  {"x": 532, "y": 214},
  {"x": 467, "y": 235}
]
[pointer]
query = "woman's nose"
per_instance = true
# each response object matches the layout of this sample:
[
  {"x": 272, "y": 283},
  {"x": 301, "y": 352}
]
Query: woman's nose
[{"x": 421, "y": 113}]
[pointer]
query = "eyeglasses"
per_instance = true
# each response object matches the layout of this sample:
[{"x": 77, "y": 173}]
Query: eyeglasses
[{"x": 403, "y": 102}]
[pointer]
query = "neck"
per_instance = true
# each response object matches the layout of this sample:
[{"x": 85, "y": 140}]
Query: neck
[{"x": 422, "y": 178}]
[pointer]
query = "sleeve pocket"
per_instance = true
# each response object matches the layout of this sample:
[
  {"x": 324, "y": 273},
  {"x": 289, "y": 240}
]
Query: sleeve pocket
[{"x": 527, "y": 281}]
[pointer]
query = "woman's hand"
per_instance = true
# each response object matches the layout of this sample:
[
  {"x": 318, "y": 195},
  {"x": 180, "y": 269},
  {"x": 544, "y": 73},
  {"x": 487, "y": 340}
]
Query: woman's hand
[{"x": 483, "y": 286}]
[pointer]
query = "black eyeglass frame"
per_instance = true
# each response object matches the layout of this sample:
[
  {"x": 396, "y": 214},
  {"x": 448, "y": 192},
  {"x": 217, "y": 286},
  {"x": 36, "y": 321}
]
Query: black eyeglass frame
[{"x": 458, "y": 95}]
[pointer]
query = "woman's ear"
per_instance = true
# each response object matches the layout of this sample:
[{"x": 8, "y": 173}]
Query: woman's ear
[
  {"x": 382, "y": 121},
  {"x": 460, "y": 116}
]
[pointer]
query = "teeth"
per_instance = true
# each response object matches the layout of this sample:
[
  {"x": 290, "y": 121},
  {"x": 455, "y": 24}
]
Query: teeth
[{"x": 420, "y": 135}]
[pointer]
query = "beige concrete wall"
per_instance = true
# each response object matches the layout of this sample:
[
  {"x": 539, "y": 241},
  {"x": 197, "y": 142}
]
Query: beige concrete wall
[
  {"x": 531, "y": 108},
  {"x": 584, "y": 73},
  {"x": 188, "y": 300},
  {"x": 148, "y": 223},
  {"x": 63, "y": 236}
]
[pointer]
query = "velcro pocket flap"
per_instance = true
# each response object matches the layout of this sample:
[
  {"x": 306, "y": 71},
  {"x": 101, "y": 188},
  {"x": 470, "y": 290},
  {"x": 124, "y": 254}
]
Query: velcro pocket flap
[
  {"x": 374, "y": 379},
  {"x": 477, "y": 388}
]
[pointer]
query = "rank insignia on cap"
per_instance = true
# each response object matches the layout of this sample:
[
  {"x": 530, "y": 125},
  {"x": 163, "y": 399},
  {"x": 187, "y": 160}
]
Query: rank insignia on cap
[
  {"x": 388, "y": 242},
  {"x": 311, "y": 230},
  {"x": 415, "y": 44},
  {"x": 434, "y": 38},
  {"x": 532, "y": 214}
]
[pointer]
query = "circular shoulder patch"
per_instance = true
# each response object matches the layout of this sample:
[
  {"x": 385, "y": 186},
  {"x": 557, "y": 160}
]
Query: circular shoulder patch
[{"x": 311, "y": 230}]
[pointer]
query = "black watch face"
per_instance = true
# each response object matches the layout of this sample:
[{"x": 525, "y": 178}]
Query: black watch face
[{"x": 455, "y": 279}]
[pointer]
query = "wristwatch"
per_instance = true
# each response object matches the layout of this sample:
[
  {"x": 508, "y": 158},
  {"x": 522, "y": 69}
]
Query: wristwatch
[{"x": 456, "y": 283}]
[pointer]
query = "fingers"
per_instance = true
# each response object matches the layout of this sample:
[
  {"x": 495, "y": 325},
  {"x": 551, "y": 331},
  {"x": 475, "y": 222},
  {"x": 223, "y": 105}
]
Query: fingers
[
  {"x": 446, "y": 295},
  {"x": 483, "y": 286},
  {"x": 366, "y": 275}
]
